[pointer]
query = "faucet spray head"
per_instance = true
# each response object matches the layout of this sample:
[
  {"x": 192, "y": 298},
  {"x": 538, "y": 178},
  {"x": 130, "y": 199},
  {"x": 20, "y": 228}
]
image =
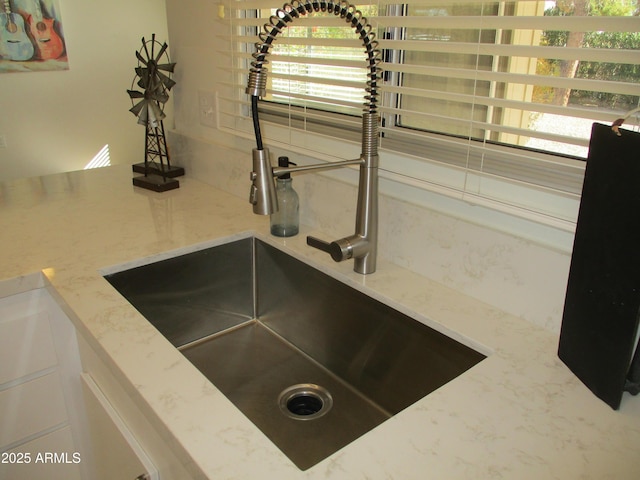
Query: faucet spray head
[{"x": 263, "y": 190}]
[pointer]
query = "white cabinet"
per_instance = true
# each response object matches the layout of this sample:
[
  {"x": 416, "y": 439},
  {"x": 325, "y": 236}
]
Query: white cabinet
[
  {"x": 116, "y": 451},
  {"x": 41, "y": 433},
  {"x": 111, "y": 405},
  {"x": 57, "y": 422},
  {"x": 32, "y": 407},
  {"x": 26, "y": 342}
]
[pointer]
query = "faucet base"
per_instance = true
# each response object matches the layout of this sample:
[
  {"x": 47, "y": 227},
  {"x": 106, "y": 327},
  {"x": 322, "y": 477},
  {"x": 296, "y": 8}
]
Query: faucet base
[{"x": 365, "y": 265}]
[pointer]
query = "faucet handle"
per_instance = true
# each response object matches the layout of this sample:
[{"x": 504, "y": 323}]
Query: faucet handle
[{"x": 339, "y": 250}]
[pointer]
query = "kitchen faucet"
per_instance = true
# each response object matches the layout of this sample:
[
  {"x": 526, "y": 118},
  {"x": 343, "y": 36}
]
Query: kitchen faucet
[{"x": 362, "y": 246}]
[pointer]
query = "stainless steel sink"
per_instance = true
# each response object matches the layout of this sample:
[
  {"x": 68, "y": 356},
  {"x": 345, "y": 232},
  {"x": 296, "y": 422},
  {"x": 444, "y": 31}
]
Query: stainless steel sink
[{"x": 310, "y": 361}]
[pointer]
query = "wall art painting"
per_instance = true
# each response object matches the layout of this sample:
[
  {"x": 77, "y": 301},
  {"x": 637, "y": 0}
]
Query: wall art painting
[{"x": 31, "y": 36}]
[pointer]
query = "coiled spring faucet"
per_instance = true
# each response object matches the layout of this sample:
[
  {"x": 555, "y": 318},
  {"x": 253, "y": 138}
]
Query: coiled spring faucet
[{"x": 362, "y": 246}]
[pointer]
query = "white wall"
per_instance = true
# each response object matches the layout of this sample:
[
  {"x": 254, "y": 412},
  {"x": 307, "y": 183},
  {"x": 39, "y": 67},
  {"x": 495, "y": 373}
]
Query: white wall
[{"x": 57, "y": 121}]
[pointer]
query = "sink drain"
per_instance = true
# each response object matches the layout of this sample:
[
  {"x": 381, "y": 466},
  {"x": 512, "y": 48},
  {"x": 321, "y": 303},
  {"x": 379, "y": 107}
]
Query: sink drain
[{"x": 305, "y": 401}]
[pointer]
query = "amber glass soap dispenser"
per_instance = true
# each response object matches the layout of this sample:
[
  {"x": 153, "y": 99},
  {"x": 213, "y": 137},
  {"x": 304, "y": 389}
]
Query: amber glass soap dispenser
[{"x": 286, "y": 221}]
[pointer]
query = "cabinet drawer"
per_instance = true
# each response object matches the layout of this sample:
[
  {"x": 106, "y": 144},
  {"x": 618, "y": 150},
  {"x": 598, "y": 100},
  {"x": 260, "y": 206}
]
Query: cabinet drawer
[
  {"x": 25, "y": 336},
  {"x": 30, "y": 408}
]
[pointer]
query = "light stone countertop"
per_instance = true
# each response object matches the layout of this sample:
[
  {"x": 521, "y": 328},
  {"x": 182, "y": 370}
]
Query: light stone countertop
[{"x": 519, "y": 414}]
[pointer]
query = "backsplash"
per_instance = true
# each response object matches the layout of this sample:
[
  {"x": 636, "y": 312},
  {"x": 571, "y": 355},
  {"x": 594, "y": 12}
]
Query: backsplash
[{"x": 515, "y": 274}]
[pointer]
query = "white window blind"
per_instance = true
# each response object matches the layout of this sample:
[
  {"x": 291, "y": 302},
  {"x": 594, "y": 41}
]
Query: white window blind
[{"x": 478, "y": 98}]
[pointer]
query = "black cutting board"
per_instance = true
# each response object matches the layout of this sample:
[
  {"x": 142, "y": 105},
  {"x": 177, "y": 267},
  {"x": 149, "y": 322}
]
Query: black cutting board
[{"x": 602, "y": 301}]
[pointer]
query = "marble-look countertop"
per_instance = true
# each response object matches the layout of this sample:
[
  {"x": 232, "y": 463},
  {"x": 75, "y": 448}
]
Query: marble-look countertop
[{"x": 519, "y": 414}]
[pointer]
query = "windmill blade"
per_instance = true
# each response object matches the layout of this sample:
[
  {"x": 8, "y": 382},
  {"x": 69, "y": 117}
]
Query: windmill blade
[
  {"x": 143, "y": 83},
  {"x": 137, "y": 108},
  {"x": 153, "y": 45},
  {"x": 155, "y": 111},
  {"x": 147, "y": 111},
  {"x": 135, "y": 94},
  {"x": 152, "y": 116},
  {"x": 143, "y": 116},
  {"x": 140, "y": 58},
  {"x": 166, "y": 81},
  {"x": 146, "y": 50},
  {"x": 143, "y": 73},
  {"x": 161, "y": 52},
  {"x": 167, "y": 67},
  {"x": 155, "y": 88},
  {"x": 149, "y": 83},
  {"x": 160, "y": 97}
]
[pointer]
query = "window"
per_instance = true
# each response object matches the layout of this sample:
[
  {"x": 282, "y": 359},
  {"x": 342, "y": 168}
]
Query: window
[
  {"x": 101, "y": 159},
  {"x": 499, "y": 91}
]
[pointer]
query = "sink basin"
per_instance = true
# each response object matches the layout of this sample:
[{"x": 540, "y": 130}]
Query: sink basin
[{"x": 309, "y": 360}]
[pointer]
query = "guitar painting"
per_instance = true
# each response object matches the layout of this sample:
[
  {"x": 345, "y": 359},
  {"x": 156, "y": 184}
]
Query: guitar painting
[
  {"x": 31, "y": 36},
  {"x": 15, "y": 44},
  {"x": 47, "y": 42}
]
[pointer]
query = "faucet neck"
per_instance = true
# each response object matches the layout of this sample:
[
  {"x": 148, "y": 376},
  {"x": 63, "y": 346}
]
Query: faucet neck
[
  {"x": 362, "y": 245},
  {"x": 370, "y": 138}
]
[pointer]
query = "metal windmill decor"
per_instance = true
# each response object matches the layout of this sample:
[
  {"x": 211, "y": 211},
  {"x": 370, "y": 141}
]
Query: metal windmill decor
[{"x": 153, "y": 76}]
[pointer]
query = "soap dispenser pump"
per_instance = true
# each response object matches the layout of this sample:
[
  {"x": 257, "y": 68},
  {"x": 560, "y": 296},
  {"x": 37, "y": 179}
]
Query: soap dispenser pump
[{"x": 286, "y": 221}]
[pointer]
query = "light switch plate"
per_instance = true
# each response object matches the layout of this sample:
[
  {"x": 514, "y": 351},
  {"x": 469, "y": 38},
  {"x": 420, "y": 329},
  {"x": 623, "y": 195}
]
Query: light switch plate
[{"x": 3, "y": 141}]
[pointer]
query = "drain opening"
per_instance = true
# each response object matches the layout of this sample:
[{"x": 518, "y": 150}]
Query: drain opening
[
  {"x": 305, "y": 405},
  {"x": 305, "y": 401}
]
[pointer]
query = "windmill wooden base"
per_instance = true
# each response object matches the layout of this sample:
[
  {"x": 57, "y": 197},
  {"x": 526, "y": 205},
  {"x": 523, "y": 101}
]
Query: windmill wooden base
[
  {"x": 158, "y": 174},
  {"x": 170, "y": 171},
  {"x": 156, "y": 183}
]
